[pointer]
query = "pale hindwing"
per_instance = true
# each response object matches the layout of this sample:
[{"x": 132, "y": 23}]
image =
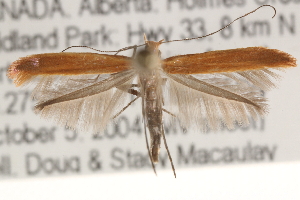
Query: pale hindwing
[
  {"x": 210, "y": 101},
  {"x": 91, "y": 113}
]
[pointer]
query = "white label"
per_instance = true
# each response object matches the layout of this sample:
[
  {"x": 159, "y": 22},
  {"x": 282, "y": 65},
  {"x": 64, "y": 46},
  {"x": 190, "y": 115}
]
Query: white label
[{"x": 30, "y": 146}]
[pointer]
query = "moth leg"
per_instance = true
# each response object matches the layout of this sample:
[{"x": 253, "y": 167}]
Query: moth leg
[
  {"x": 169, "y": 155},
  {"x": 148, "y": 148},
  {"x": 146, "y": 137},
  {"x": 130, "y": 91},
  {"x": 168, "y": 112},
  {"x": 138, "y": 95},
  {"x": 116, "y": 115}
]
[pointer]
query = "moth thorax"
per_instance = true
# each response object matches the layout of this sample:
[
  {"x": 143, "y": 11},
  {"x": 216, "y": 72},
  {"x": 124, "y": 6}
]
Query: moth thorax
[{"x": 147, "y": 61}]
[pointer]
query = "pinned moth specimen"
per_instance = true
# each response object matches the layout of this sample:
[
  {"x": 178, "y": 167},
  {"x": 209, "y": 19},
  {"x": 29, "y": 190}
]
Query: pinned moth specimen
[{"x": 84, "y": 91}]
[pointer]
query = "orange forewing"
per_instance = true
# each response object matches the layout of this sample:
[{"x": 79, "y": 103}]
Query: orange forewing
[
  {"x": 232, "y": 60},
  {"x": 63, "y": 63}
]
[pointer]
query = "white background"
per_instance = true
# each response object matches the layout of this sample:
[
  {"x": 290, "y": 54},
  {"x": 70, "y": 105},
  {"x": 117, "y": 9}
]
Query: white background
[{"x": 248, "y": 181}]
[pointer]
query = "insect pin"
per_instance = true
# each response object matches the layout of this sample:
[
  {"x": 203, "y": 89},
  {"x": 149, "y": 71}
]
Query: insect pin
[{"x": 84, "y": 91}]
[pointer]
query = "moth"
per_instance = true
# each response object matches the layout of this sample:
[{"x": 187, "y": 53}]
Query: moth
[{"x": 84, "y": 91}]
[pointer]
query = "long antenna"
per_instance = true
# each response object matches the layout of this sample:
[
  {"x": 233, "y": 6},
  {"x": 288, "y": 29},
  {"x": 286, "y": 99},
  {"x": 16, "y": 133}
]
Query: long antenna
[
  {"x": 88, "y": 48},
  {"x": 194, "y": 38}
]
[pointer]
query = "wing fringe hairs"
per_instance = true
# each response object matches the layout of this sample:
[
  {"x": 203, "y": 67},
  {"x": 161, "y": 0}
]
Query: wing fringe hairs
[
  {"x": 99, "y": 100},
  {"x": 203, "y": 101},
  {"x": 209, "y": 101}
]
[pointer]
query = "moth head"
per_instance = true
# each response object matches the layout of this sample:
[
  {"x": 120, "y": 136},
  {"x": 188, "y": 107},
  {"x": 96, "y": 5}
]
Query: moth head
[
  {"x": 149, "y": 58},
  {"x": 152, "y": 46}
]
